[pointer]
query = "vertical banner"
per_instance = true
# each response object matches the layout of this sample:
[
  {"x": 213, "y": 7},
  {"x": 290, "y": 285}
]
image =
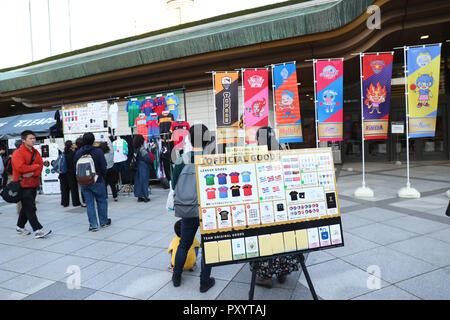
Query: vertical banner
[
  {"x": 256, "y": 101},
  {"x": 377, "y": 76},
  {"x": 329, "y": 90},
  {"x": 287, "y": 113},
  {"x": 227, "y": 106},
  {"x": 423, "y": 65}
]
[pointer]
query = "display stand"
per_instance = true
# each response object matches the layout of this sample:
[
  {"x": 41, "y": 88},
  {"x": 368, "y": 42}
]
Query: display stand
[
  {"x": 407, "y": 192},
  {"x": 363, "y": 191},
  {"x": 305, "y": 272}
]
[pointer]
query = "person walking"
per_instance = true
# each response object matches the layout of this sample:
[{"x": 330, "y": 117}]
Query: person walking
[
  {"x": 95, "y": 193},
  {"x": 142, "y": 176},
  {"x": 110, "y": 179},
  {"x": 77, "y": 146},
  {"x": 184, "y": 185},
  {"x": 68, "y": 181},
  {"x": 2, "y": 165},
  {"x": 27, "y": 167}
]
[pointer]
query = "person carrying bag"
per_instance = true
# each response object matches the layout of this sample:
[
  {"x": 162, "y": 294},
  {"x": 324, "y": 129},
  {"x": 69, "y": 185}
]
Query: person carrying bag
[{"x": 12, "y": 192}]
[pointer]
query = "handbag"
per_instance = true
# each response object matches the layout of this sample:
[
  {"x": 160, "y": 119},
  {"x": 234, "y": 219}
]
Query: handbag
[
  {"x": 170, "y": 199},
  {"x": 12, "y": 192}
]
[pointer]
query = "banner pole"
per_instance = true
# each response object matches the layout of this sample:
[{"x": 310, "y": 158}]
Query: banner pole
[
  {"x": 407, "y": 192},
  {"x": 215, "y": 109},
  {"x": 274, "y": 103},
  {"x": 315, "y": 104},
  {"x": 243, "y": 105},
  {"x": 364, "y": 191}
]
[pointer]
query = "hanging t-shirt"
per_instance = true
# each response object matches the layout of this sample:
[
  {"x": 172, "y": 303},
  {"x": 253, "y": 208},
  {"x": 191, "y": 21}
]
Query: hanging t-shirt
[
  {"x": 222, "y": 177},
  {"x": 113, "y": 115},
  {"x": 246, "y": 176},
  {"x": 133, "y": 109},
  {"x": 180, "y": 129},
  {"x": 209, "y": 179},
  {"x": 223, "y": 192},
  {"x": 141, "y": 125},
  {"x": 159, "y": 105},
  {"x": 211, "y": 193},
  {"x": 235, "y": 191},
  {"x": 152, "y": 124},
  {"x": 247, "y": 190},
  {"x": 147, "y": 106},
  {"x": 120, "y": 147},
  {"x": 172, "y": 105},
  {"x": 165, "y": 122},
  {"x": 234, "y": 177}
]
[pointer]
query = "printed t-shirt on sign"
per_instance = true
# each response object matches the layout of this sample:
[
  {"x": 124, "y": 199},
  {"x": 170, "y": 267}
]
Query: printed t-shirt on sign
[
  {"x": 235, "y": 191},
  {"x": 234, "y": 177},
  {"x": 247, "y": 190},
  {"x": 211, "y": 193},
  {"x": 223, "y": 192},
  {"x": 209, "y": 179},
  {"x": 246, "y": 176},
  {"x": 222, "y": 177}
]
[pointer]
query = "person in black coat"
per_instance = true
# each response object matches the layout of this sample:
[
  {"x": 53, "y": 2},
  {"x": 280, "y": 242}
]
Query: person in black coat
[{"x": 68, "y": 180}]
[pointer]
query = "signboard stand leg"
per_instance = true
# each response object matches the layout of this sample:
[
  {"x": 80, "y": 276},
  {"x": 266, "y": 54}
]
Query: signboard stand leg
[
  {"x": 305, "y": 272},
  {"x": 363, "y": 191},
  {"x": 407, "y": 192}
]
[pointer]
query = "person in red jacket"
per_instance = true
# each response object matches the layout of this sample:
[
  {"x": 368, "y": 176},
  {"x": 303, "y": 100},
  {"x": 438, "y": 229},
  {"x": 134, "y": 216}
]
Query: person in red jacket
[{"x": 30, "y": 174}]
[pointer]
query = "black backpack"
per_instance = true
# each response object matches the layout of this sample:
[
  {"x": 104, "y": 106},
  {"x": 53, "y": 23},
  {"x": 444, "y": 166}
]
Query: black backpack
[{"x": 12, "y": 192}]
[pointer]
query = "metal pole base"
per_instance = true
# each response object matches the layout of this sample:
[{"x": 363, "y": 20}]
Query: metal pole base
[
  {"x": 448, "y": 193},
  {"x": 364, "y": 192},
  {"x": 408, "y": 192}
]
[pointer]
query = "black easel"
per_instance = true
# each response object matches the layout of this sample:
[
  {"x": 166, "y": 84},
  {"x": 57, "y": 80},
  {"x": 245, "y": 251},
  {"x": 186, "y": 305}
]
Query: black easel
[{"x": 305, "y": 271}]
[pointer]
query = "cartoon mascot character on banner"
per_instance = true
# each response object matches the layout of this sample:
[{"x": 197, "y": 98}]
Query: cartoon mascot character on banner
[{"x": 375, "y": 96}]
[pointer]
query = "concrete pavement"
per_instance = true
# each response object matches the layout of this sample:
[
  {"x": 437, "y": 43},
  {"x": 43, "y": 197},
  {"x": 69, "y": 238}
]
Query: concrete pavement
[{"x": 394, "y": 248}]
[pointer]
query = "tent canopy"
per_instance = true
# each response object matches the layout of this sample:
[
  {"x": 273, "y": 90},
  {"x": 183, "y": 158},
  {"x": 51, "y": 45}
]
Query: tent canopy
[{"x": 40, "y": 123}]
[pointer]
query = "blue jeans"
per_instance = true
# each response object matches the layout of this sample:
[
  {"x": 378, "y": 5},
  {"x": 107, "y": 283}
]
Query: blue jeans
[
  {"x": 189, "y": 227},
  {"x": 92, "y": 194}
]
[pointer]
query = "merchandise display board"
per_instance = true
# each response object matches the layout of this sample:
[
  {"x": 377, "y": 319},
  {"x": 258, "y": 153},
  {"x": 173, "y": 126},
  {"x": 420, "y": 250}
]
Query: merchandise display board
[
  {"x": 264, "y": 205},
  {"x": 85, "y": 117}
]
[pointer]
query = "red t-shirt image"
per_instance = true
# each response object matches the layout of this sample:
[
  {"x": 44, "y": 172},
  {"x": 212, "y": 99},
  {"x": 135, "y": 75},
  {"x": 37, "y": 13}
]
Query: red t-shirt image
[
  {"x": 247, "y": 190},
  {"x": 234, "y": 177},
  {"x": 211, "y": 193}
]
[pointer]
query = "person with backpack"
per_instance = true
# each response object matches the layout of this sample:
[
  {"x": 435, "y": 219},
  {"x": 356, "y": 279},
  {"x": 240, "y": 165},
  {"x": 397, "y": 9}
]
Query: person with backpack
[
  {"x": 184, "y": 184},
  {"x": 27, "y": 167},
  {"x": 77, "y": 146},
  {"x": 90, "y": 168},
  {"x": 67, "y": 179}
]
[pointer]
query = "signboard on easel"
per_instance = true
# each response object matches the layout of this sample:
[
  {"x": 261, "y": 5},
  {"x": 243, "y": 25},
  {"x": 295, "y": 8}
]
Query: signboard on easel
[{"x": 263, "y": 205}]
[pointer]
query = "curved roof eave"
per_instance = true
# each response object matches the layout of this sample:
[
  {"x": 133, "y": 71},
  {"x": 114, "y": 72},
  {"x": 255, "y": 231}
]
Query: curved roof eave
[{"x": 276, "y": 24}]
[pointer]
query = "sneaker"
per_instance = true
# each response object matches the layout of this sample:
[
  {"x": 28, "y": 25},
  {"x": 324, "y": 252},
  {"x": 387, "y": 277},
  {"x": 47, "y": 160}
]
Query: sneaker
[
  {"x": 205, "y": 286},
  {"x": 23, "y": 231},
  {"x": 93, "y": 229},
  {"x": 140, "y": 200},
  {"x": 176, "y": 279},
  {"x": 107, "y": 224},
  {"x": 146, "y": 199},
  {"x": 41, "y": 233}
]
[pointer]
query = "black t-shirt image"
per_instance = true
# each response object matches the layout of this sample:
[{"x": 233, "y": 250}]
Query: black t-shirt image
[
  {"x": 235, "y": 192},
  {"x": 224, "y": 215},
  {"x": 293, "y": 195},
  {"x": 280, "y": 207}
]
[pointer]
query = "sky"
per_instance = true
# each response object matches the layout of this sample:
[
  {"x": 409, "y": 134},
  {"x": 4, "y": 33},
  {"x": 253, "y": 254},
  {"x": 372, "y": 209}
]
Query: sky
[{"x": 91, "y": 22}]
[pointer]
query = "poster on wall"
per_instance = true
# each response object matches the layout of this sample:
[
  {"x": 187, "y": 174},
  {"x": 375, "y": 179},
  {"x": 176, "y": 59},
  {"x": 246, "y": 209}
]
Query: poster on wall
[
  {"x": 85, "y": 117},
  {"x": 263, "y": 205},
  {"x": 329, "y": 97},
  {"x": 377, "y": 76},
  {"x": 287, "y": 112},
  {"x": 50, "y": 178},
  {"x": 423, "y": 65},
  {"x": 256, "y": 101}
]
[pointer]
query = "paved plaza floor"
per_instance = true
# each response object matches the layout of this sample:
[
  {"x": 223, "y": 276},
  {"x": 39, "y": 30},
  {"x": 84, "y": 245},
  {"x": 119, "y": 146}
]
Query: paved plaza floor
[{"x": 403, "y": 243}]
